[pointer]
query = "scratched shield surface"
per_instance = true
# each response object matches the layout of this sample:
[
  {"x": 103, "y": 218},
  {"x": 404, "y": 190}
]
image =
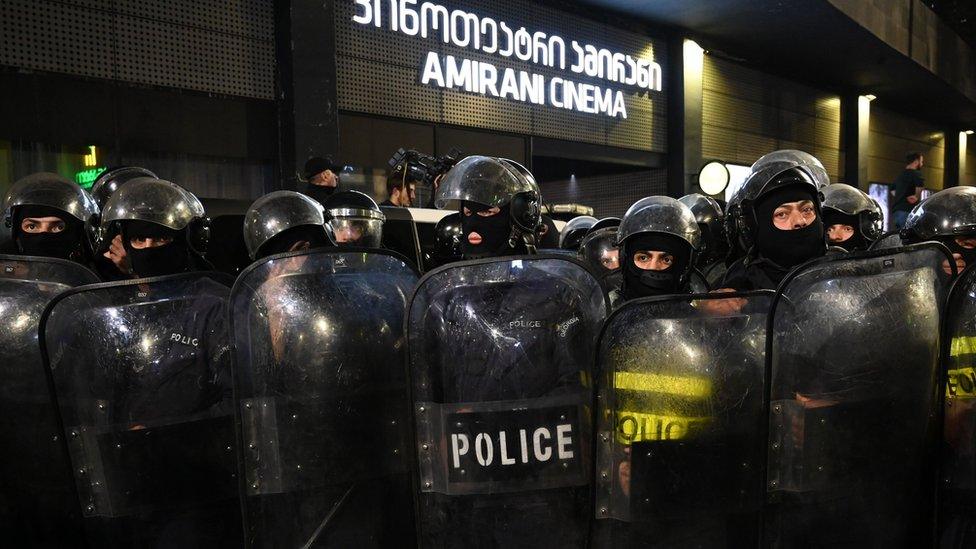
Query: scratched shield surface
[
  {"x": 322, "y": 397},
  {"x": 35, "y": 477},
  {"x": 853, "y": 418},
  {"x": 141, "y": 372},
  {"x": 500, "y": 361},
  {"x": 679, "y": 441}
]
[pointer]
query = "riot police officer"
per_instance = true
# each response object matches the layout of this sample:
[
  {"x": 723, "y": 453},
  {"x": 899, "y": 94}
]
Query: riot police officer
[
  {"x": 156, "y": 381},
  {"x": 163, "y": 227},
  {"x": 949, "y": 217},
  {"x": 355, "y": 219},
  {"x": 777, "y": 219},
  {"x": 523, "y": 325},
  {"x": 284, "y": 221},
  {"x": 659, "y": 239},
  {"x": 599, "y": 250},
  {"x": 573, "y": 232},
  {"x": 499, "y": 203},
  {"x": 110, "y": 258},
  {"x": 48, "y": 217},
  {"x": 714, "y": 248},
  {"x": 852, "y": 219}
]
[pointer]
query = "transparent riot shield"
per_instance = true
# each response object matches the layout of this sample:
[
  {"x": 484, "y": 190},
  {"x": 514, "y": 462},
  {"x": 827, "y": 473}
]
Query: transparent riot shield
[
  {"x": 141, "y": 374},
  {"x": 500, "y": 358},
  {"x": 323, "y": 399},
  {"x": 679, "y": 446},
  {"x": 957, "y": 498},
  {"x": 853, "y": 355},
  {"x": 37, "y": 499}
]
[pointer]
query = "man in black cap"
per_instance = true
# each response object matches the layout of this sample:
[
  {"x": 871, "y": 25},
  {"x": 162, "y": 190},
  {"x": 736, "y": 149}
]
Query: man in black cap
[{"x": 322, "y": 177}]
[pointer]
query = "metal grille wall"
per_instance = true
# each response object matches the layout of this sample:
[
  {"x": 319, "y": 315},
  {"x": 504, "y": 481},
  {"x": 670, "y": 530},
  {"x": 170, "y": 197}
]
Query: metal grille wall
[
  {"x": 746, "y": 114},
  {"x": 895, "y": 135},
  {"x": 379, "y": 73},
  {"x": 608, "y": 195},
  {"x": 219, "y": 46}
]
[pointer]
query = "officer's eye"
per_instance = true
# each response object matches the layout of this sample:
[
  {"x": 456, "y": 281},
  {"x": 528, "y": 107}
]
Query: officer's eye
[
  {"x": 642, "y": 258},
  {"x": 780, "y": 214},
  {"x": 57, "y": 227},
  {"x": 467, "y": 211},
  {"x": 31, "y": 226},
  {"x": 667, "y": 259}
]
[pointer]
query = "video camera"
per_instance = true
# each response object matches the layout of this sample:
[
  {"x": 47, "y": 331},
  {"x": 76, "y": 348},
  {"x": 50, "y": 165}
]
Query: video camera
[{"x": 422, "y": 167}]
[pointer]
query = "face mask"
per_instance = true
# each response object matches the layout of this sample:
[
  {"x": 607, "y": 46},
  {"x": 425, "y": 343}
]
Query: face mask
[
  {"x": 163, "y": 260},
  {"x": 59, "y": 245},
  {"x": 856, "y": 241},
  {"x": 494, "y": 232},
  {"x": 639, "y": 282},
  {"x": 787, "y": 248}
]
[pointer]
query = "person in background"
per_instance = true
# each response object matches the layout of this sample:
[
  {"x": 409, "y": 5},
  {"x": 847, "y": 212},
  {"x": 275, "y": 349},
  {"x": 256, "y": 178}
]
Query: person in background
[
  {"x": 401, "y": 188},
  {"x": 322, "y": 178},
  {"x": 908, "y": 189}
]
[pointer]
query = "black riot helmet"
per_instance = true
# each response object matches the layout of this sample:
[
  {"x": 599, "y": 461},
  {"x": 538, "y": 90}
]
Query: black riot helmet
[
  {"x": 573, "y": 232},
  {"x": 480, "y": 183},
  {"x": 847, "y": 205},
  {"x": 278, "y": 221},
  {"x": 945, "y": 216},
  {"x": 786, "y": 178},
  {"x": 111, "y": 179},
  {"x": 711, "y": 221},
  {"x": 355, "y": 219},
  {"x": 657, "y": 223},
  {"x": 149, "y": 208},
  {"x": 50, "y": 195},
  {"x": 447, "y": 239}
]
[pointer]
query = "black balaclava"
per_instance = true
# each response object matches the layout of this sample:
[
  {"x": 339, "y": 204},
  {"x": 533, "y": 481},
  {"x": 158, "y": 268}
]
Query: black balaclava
[
  {"x": 170, "y": 259},
  {"x": 968, "y": 255},
  {"x": 283, "y": 241},
  {"x": 833, "y": 217},
  {"x": 639, "y": 282},
  {"x": 494, "y": 230},
  {"x": 61, "y": 245},
  {"x": 787, "y": 248}
]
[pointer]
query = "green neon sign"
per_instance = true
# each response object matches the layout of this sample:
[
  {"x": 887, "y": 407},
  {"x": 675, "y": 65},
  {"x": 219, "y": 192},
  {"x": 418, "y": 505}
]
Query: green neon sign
[{"x": 85, "y": 178}]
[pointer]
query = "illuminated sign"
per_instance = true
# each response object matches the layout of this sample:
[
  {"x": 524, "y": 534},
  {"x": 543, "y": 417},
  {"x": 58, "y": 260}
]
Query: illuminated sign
[
  {"x": 498, "y": 38},
  {"x": 91, "y": 159},
  {"x": 85, "y": 178}
]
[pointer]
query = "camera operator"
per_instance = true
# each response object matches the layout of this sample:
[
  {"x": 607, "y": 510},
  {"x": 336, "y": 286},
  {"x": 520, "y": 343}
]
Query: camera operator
[
  {"x": 410, "y": 168},
  {"x": 401, "y": 185}
]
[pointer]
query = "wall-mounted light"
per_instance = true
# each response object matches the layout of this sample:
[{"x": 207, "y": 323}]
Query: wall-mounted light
[
  {"x": 713, "y": 178},
  {"x": 968, "y": 132},
  {"x": 870, "y": 97},
  {"x": 717, "y": 177}
]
